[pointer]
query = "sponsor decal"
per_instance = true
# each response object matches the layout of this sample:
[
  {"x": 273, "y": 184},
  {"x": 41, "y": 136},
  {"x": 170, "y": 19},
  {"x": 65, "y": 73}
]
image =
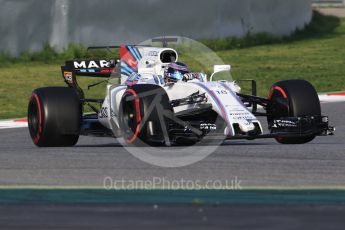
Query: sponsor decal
[
  {"x": 107, "y": 70},
  {"x": 285, "y": 123},
  {"x": 243, "y": 118},
  {"x": 103, "y": 113},
  {"x": 222, "y": 92},
  {"x": 153, "y": 53},
  {"x": 92, "y": 64},
  {"x": 240, "y": 114},
  {"x": 68, "y": 77},
  {"x": 208, "y": 126}
]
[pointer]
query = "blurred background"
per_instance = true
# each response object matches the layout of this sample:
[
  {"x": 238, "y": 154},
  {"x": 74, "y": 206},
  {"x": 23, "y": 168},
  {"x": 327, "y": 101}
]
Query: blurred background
[{"x": 27, "y": 25}]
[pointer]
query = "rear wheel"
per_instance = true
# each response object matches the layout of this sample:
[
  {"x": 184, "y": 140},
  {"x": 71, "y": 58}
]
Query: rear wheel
[
  {"x": 294, "y": 98},
  {"x": 54, "y": 117}
]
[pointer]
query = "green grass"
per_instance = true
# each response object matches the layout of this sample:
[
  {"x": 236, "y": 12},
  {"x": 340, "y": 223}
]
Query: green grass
[
  {"x": 18, "y": 81},
  {"x": 316, "y": 54},
  {"x": 319, "y": 59}
]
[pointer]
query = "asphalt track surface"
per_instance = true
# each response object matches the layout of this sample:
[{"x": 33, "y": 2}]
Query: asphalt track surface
[
  {"x": 171, "y": 217},
  {"x": 259, "y": 164}
]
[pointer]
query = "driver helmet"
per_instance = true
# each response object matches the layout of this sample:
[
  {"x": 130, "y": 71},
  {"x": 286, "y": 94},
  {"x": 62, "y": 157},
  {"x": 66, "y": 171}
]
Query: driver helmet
[{"x": 174, "y": 71}]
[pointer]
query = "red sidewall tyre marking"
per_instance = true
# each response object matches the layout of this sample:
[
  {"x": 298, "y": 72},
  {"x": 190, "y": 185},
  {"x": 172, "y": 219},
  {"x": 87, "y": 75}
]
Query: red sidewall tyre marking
[
  {"x": 39, "y": 133},
  {"x": 138, "y": 116},
  {"x": 280, "y": 90}
]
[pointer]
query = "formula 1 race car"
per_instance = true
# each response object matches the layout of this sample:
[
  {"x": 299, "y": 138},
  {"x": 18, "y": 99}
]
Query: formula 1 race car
[{"x": 159, "y": 101}]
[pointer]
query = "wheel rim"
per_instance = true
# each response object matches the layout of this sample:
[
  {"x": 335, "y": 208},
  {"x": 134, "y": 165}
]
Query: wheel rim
[{"x": 131, "y": 116}]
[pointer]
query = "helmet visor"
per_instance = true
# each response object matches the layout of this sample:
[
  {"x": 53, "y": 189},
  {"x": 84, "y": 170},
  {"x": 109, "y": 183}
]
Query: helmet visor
[{"x": 177, "y": 75}]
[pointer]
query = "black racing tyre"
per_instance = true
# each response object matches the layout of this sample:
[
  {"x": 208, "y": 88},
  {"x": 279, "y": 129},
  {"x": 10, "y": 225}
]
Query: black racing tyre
[
  {"x": 141, "y": 117},
  {"x": 296, "y": 98},
  {"x": 54, "y": 117}
]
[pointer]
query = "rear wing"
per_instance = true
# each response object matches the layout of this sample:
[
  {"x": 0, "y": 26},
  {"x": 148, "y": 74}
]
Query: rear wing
[
  {"x": 102, "y": 68},
  {"x": 87, "y": 68},
  {"x": 132, "y": 58},
  {"x": 90, "y": 68}
]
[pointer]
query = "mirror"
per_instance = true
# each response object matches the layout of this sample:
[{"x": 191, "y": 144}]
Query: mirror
[{"x": 220, "y": 68}]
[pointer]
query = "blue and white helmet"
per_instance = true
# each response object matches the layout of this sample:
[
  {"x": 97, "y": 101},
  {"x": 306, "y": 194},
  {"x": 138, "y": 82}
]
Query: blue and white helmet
[{"x": 175, "y": 72}]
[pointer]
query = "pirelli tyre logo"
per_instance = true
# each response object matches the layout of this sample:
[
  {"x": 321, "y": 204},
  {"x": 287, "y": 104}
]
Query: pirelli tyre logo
[{"x": 97, "y": 64}]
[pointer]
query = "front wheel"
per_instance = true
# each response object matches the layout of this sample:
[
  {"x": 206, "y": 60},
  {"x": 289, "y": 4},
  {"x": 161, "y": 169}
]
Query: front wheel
[
  {"x": 294, "y": 98},
  {"x": 142, "y": 115}
]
